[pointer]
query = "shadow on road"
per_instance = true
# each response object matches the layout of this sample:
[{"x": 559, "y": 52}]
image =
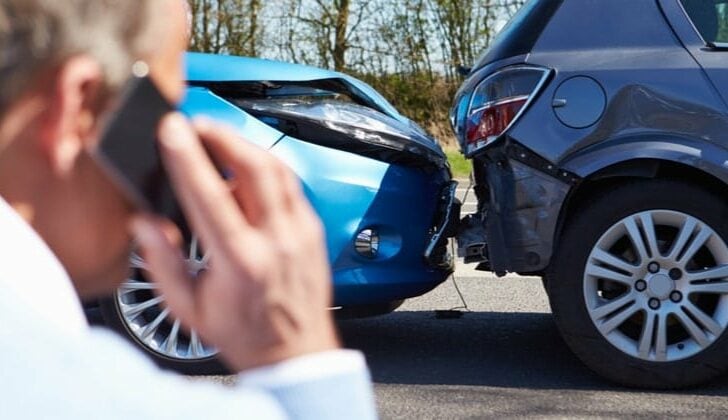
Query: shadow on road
[{"x": 518, "y": 350}]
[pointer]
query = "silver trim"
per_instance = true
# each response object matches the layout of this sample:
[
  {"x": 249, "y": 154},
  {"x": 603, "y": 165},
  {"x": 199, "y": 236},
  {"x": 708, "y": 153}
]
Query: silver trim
[
  {"x": 492, "y": 104},
  {"x": 546, "y": 75}
]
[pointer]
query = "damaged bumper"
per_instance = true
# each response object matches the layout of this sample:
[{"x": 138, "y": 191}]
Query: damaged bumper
[
  {"x": 437, "y": 253},
  {"x": 520, "y": 198}
]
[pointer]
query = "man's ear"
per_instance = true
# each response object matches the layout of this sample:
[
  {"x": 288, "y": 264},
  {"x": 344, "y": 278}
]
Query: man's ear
[{"x": 71, "y": 115}]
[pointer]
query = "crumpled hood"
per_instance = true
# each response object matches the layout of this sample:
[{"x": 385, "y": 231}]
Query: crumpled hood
[
  {"x": 317, "y": 106},
  {"x": 351, "y": 127},
  {"x": 202, "y": 68}
]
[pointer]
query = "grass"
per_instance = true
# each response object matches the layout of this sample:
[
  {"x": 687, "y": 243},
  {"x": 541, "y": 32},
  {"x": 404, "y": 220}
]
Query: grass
[{"x": 460, "y": 166}]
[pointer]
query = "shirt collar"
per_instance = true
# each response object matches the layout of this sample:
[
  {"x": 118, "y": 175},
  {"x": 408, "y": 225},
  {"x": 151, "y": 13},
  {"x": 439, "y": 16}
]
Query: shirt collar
[{"x": 33, "y": 276}]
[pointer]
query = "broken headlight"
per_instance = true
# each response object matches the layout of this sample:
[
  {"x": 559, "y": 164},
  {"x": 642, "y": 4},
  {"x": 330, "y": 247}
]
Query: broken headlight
[{"x": 348, "y": 126}]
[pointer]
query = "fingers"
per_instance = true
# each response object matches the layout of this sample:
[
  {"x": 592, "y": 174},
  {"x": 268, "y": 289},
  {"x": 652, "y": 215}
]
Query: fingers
[
  {"x": 166, "y": 266},
  {"x": 264, "y": 298},
  {"x": 260, "y": 178},
  {"x": 293, "y": 198},
  {"x": 211, "y": 210},
  {"x": 272, "y": 198}
]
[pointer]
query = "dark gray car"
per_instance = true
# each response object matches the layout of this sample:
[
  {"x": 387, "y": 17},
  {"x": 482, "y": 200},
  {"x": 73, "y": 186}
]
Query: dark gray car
[{"x": 599, "y": 135}]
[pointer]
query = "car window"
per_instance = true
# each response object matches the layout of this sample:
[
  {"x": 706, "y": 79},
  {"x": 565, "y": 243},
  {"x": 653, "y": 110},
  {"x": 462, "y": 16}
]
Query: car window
[{"x": 710, "y": 18}]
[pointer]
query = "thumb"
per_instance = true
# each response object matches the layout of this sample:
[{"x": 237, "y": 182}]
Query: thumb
[{"x": 167, "y": 267}]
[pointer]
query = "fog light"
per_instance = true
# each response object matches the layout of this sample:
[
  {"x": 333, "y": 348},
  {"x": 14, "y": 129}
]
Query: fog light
[{"x": 367, "y": 243}]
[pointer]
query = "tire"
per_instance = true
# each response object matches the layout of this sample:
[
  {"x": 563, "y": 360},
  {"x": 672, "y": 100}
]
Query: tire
[
  {"x": 136, "y": 312},
  {"x": 636, "y": 323}
]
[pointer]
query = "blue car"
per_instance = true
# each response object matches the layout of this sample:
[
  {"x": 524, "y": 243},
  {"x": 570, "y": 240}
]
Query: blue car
[{"x": 381, "y": 185}]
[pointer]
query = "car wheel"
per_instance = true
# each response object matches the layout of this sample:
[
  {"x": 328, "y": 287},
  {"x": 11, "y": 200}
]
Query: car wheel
[
  {"x": 639, "y": 284},
  {"x": 137, "y": 312}
]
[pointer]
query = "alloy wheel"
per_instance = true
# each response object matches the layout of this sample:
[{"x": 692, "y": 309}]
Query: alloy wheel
[
  {"x": 656, "y": 285},
  {"x": 146, "y": 317}
]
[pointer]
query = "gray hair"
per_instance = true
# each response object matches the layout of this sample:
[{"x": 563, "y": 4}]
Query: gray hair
[{"x": 37, "y": 35}]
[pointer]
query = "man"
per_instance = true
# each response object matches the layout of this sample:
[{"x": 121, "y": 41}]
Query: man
[{"x": 262, "y": 302}]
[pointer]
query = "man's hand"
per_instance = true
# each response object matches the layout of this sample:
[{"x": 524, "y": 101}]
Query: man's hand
[{"x": 265, "y": 296}]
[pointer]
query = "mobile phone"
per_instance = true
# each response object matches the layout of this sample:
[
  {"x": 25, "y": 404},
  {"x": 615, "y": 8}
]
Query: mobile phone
[{"x": 128, "y": 151}]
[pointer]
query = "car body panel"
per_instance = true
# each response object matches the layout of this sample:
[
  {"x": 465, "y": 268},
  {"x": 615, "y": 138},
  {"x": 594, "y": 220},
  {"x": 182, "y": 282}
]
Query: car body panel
[
  {"x": 624, "y": 65},
  {"x": 202, "y": 102},
  {"x": 222, "y": 68},
  {"x": 710, "y": 59},
  {"x": 676, "y": 114},
  {"x": 709, "y": 158}
]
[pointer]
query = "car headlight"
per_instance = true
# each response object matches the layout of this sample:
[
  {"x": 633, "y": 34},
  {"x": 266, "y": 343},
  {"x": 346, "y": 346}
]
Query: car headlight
[
  {"x": 350, "y": 127},
  {"x": 499, "y": 101}
]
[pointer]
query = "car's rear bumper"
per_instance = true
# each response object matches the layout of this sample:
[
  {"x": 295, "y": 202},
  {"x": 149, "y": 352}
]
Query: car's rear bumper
[{"x": 521, "y": 197}]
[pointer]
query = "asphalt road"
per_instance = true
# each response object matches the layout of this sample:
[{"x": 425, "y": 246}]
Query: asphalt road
[{"x": 502, "y": 359}]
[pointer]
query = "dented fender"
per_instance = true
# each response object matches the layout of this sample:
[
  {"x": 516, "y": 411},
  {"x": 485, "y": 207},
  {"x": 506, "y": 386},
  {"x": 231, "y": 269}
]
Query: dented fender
[{"x": 707, "y": 157}]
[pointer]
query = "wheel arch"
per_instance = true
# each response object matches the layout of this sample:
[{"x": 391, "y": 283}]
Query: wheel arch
[
  {"x": 584, "y": 301},
  {"x": 696, "y": 162}
]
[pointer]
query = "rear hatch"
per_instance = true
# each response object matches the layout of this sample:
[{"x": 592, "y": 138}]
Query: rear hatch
[
  {"x": 510, "y": 47},
  {"x": 520, "y": 34}
]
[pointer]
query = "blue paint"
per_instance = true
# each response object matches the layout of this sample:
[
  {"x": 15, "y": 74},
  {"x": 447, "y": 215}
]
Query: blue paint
[
  {"x": 201, "y": 102},
  {"x": 349, "y": 192},
  {"x": 225, "y": 68}
]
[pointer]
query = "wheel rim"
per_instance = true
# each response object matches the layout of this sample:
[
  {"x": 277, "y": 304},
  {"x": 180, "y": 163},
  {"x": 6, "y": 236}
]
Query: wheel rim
[
  {"x": 142, "y": 310},
  {"x": 656, "y": 286}
]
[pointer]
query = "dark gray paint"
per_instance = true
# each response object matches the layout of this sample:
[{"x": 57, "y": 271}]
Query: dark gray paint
[
  {"x": 579, "y": 102},
  {"x": 653, "y": 85},
  {"x": 711, "y": 60},
  {"x": 666, "y": 95},
  {"x": 522, "y": 216}
]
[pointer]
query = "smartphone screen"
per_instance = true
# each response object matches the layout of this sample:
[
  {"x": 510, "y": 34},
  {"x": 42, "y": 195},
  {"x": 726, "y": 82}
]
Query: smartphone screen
[{"x": 129, "y": 151}]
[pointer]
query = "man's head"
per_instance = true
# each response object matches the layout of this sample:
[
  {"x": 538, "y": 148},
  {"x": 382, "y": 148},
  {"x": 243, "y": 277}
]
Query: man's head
[{"x": 61, "y": 64}]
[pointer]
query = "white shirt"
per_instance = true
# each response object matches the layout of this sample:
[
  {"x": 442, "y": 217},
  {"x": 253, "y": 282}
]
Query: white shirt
[{"x": 54, "y": 366}]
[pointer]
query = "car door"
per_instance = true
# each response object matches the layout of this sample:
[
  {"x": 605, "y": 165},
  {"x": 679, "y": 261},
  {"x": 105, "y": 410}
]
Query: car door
[{"x": 702, "y": 26}]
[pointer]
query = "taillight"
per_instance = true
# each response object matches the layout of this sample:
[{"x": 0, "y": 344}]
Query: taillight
[{"x": 498, "y": 102}]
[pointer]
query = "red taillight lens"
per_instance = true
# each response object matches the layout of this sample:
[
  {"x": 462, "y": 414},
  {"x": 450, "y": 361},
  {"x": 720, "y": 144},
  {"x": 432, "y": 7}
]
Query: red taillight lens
[
  {"x": 488, "y": 123},
  {"x": 497, "y": 102}
]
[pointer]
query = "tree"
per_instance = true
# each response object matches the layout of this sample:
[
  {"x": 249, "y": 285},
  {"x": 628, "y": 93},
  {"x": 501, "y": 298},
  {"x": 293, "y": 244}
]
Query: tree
[
  {"x": 466, "y": 27},
  {"x": 409, "y": 50},
  {"x": 332, "y": 27},
  {"x": 226, "y": 26}
]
